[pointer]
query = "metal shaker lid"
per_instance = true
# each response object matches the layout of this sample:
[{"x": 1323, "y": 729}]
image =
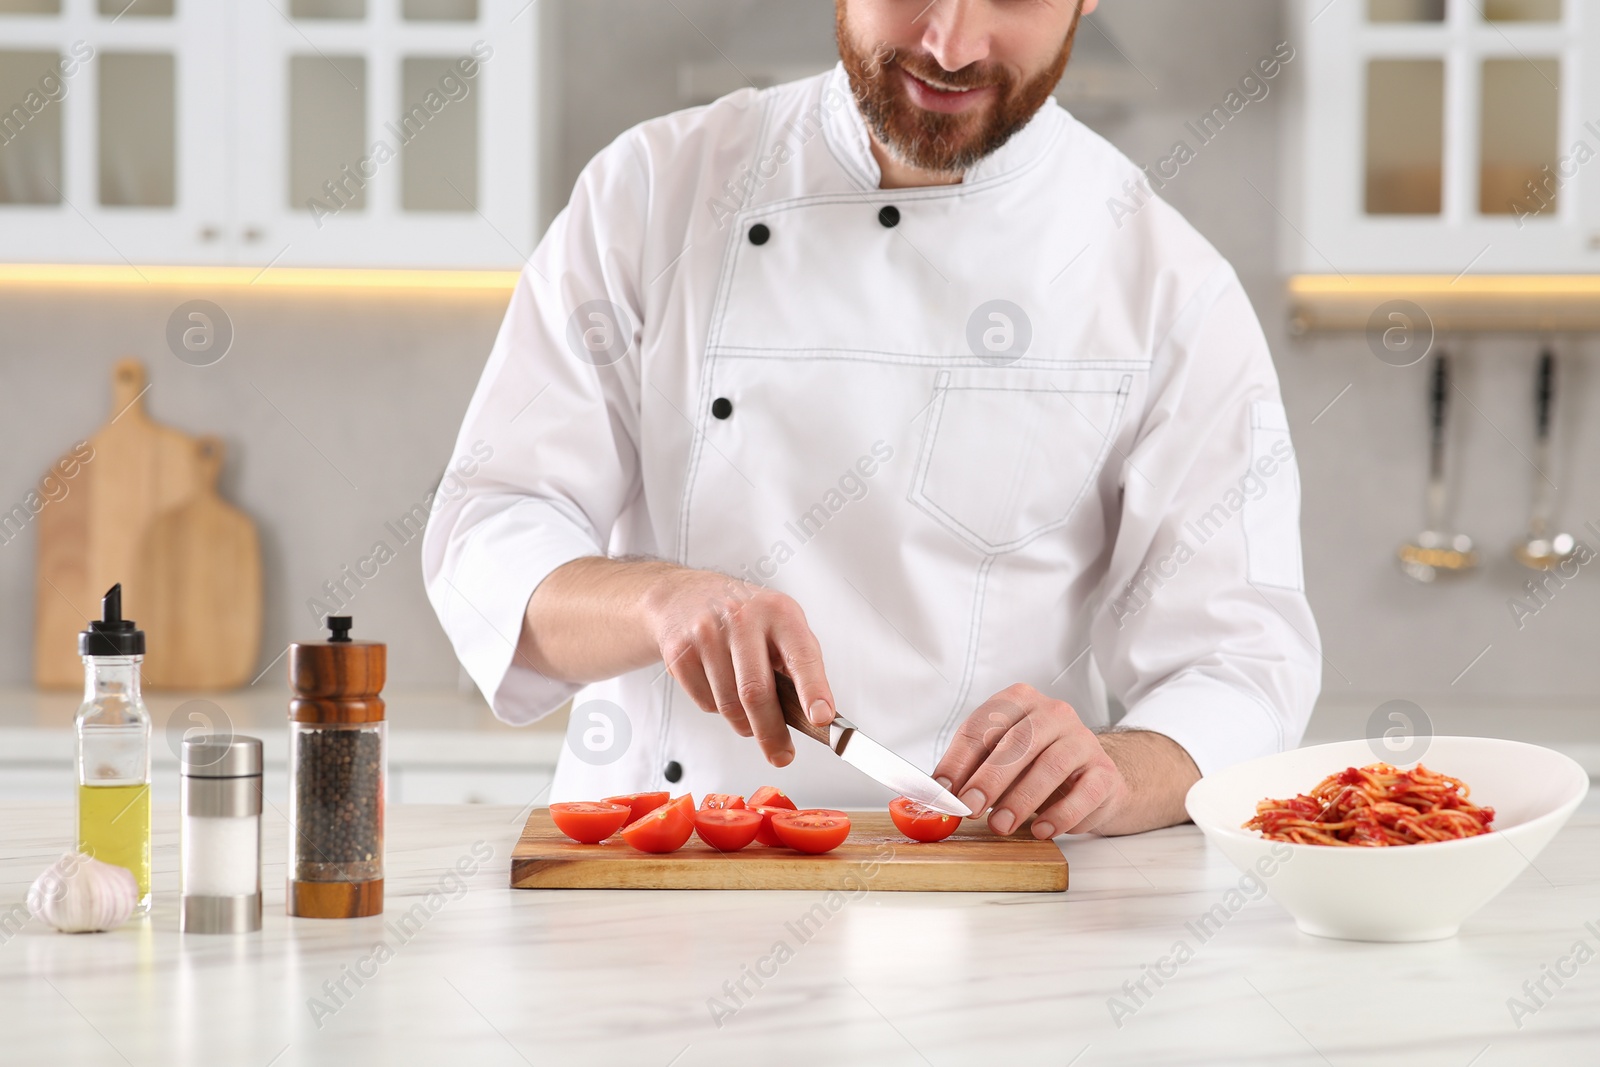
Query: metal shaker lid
[{"x": 221, "y": 756}]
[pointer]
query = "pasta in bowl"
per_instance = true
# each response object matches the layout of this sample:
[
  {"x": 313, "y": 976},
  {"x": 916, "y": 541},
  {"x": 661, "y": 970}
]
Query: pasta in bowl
[{"x": 1427, "y": 843}]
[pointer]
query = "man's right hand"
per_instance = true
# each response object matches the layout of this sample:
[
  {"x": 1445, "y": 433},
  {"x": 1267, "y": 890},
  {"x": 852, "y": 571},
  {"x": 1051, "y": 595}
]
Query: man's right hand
[{"x": 721, "y": 638}]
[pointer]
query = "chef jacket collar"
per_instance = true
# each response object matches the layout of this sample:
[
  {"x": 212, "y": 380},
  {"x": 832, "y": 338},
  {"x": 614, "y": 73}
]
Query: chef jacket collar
[{"x": 847, "y": 135}]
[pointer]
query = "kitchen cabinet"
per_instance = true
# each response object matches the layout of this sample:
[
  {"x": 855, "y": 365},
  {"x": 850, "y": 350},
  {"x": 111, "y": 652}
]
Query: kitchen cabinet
[
  {"x": 444, "y": 748},
  {"x": 281, "y": 133},
  {"x": 422, "y": 784},
  {"x": 1444, "y": 136}
]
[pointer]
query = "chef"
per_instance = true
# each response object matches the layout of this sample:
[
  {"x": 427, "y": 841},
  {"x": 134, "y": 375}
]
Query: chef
[{"x": 866, "y": 379}]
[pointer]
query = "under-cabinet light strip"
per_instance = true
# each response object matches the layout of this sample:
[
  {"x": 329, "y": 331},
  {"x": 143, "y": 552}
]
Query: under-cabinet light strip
[
  {"x": 79, "y": 275},
  {"x": 1557, "y": 285}
]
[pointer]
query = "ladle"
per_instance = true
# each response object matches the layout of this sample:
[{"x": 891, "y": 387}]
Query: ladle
[
  {"x": 1543, "y": 550},
  {"x": 1436, "y": 552}
]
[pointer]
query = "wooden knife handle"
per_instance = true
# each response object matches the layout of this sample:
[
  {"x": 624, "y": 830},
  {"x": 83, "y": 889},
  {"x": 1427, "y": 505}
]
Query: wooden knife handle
[{"x": 794, "y": 714}]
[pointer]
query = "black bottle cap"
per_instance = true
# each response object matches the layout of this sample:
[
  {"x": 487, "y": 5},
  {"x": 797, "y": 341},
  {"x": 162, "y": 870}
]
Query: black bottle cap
[
  {"x": 111, "y": 634},
  {"x": 339, "y": 628}
]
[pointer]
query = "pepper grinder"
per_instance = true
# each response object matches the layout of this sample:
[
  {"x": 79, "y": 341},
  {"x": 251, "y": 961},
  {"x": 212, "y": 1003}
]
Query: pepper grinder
[{"x": 336, "y": 775}]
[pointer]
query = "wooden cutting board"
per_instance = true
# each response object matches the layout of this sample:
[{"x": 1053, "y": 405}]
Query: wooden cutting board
[
  {"x": 91, "y": 538},
  {"x": 197, "y": 586},
  {"x": 876, "y": 856}
]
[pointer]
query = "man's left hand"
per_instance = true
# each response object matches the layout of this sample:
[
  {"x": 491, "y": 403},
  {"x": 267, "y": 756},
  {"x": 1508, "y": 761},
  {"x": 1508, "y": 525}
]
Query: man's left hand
[{"x": 1022, "y": 753}]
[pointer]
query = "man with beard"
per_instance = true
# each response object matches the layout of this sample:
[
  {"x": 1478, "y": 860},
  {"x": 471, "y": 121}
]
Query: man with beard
[{"x": 854, "y": 381}]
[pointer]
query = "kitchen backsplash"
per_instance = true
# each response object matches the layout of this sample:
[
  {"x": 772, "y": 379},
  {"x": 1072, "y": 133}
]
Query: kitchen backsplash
[{"x": 339, "y": 411}]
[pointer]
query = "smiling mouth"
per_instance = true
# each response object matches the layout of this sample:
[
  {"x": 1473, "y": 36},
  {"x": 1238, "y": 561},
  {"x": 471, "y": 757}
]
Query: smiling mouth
[{"x": 949, "y": 90}]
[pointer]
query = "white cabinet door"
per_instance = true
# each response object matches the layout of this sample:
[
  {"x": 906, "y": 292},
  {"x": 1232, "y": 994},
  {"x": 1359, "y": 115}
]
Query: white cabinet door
[
  {"x": 371, "y": 134},
  {"x": 113, "y": 136},
  {"x": 470, "y": 785},
  {"x": 331, "y": 133},
  {"x": 1427, "y": 130}
]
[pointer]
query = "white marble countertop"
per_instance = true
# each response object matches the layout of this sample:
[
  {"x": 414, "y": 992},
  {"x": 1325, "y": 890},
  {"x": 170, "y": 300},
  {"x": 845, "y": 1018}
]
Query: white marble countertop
[{"x": 501, "y": 976}]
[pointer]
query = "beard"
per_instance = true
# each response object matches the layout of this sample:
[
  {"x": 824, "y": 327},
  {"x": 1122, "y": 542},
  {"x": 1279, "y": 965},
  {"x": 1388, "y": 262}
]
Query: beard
[{"x": 933, "y": 140}]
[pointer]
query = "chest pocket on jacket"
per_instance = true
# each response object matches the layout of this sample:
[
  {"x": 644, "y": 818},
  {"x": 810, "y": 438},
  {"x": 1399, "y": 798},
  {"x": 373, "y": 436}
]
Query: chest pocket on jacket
[{"x": 1002, "y": 464}]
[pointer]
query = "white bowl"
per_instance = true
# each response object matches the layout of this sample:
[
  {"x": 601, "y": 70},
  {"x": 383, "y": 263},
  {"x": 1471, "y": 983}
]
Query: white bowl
[{"x": 1404, "y": 893}]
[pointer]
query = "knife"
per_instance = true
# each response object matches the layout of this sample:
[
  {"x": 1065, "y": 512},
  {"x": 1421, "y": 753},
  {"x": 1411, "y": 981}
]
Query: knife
[{"x": 867, "y": 756}]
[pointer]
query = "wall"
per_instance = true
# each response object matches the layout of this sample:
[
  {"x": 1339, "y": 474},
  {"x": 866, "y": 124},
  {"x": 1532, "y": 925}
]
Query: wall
[
  {"x": 379, "y": 385},
  {"x": 339, "y": 414}
]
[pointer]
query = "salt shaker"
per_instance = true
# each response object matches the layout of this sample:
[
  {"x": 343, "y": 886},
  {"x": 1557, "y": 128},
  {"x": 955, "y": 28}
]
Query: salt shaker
[
  {"x": 220, "y": 863},
  {"x": 336, "y": 775}
]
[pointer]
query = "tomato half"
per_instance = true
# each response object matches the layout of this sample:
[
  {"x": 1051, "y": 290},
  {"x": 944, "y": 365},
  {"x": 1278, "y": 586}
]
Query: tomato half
[
  {"x": 920, "y": 822},
  {"x": 814, "y": 830},
  {"x": 663, "y": 830},
  {"x": 727, "y": 829},
  {"x": 639, "y": 804},
  {"x": 721, "y": 800},
  {"x": 588, "y": 823},
  {"x": 769, "y": 796},
  {"x": 765, "y": 834}
]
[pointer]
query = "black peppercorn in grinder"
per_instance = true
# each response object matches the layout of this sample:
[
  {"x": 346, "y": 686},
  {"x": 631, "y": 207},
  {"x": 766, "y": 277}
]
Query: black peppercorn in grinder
[{"x": 336, "y": 775}]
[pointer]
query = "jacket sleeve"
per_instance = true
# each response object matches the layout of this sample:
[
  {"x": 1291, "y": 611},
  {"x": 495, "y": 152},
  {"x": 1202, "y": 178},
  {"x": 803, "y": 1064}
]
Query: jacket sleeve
[
  {"x": 1205, "y": 634},
  {"x": 547, "y": 455}
]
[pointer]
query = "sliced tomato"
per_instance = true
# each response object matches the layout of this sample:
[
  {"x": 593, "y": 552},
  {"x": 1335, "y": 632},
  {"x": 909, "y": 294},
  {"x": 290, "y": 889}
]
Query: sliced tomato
[
  {"x": 814, "y": 830},
  {"x": 663, "y": 830},
  {"x": 727, "y": 829},
  {"x": 587, "y": 822},
  {"x": 721, "y": 800},
  {"x": 639, "y": 804},
  {"x": 769, "y": 796},
  {"x": 920, "y": 822},
  {"x": 765, "y": 835}
]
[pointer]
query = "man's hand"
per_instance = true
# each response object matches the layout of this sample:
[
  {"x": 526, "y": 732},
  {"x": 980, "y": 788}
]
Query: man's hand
[
  {"x": 1022, "y": 753},
  {"x": 720, "y": 638}
]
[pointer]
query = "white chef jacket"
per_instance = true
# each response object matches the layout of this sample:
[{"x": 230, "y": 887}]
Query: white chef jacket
[{"x": 1087, "y": 487}]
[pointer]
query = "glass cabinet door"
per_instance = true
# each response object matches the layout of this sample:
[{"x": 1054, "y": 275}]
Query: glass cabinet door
[
  {"x": 1446, "y": 136},
  {"x": 113, "y": 142},
  {"x": 390, "y": 132}
]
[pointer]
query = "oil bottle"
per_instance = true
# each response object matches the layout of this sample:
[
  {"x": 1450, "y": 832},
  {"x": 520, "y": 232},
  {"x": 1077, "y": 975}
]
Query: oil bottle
[{"x": 113, "y": 734}]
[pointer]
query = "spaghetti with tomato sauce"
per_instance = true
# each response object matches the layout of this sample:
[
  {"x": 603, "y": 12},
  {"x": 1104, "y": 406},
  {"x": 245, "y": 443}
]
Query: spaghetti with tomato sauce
[{"x": 1374, "y": 807}]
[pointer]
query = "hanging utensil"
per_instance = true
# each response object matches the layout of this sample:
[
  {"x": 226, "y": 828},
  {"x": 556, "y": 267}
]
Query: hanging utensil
[
  {"x": 1435, "y": 551},
  {"x": 1542, "y": 550}
]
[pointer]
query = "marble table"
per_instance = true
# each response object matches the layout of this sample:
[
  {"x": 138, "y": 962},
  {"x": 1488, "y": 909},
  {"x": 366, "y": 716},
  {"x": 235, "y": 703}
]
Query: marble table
[{"x": 482, "y": 974}]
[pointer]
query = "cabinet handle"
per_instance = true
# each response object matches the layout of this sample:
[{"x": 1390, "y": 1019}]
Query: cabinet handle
[
  {"x": 253, "y": 233},
  {"x": 209, "y": 233}
]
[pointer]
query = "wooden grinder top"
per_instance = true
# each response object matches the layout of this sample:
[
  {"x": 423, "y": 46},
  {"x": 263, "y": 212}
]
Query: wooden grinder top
[{"x": 337, "y": 680}]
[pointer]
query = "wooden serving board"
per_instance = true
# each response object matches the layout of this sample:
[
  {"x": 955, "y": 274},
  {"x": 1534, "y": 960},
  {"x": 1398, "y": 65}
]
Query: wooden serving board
[
  {"x": 198, "y": 582},
  {"x": 91, "y": 539},
  {"x": 875, "y": 856}
]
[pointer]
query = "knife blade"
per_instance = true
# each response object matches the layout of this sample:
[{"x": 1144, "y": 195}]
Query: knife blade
[{"x": 868, "y": 756}]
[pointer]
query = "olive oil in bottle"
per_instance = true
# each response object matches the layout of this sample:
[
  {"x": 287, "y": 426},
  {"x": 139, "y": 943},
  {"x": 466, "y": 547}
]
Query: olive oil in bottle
[
  {"x": 113, "y": 735},
  {"x": 114, "y": 827}
]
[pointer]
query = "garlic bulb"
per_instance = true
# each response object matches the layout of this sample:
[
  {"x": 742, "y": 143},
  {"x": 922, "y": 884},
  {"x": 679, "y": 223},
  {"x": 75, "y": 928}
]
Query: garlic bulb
[{"x": 79, "y": 894}]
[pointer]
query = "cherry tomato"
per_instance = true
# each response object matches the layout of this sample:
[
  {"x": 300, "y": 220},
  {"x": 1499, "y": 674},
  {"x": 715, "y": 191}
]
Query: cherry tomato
[
  {"x": 588, "y": 823},
  {"x": 920, "y": 822},
  {"x": 663, "y": 830},
  {"x": 726, "y": 829},
  {"x": 769, "y": 796},
  {"x": 765, "y": 835},
  {"x": 813, "y": 830},
  {"x": 639, "y": 804},
  {"x": 721, "y": 800}
]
